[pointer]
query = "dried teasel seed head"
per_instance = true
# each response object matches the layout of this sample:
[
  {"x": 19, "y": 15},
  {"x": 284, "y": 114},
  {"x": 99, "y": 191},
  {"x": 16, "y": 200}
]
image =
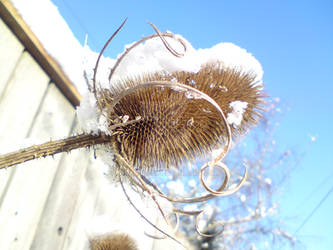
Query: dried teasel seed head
[
  {"x": 172, "y": 125},
  {"x": 113, "y": 241},
  {"x": 227, "y": 85}
]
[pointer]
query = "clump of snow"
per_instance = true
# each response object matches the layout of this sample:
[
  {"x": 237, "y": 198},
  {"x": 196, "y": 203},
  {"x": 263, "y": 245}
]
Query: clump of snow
[
  {"x": 55, "y": 36},
  {"x": 176, "y": 187},
  {"x": 87, "y": 114},
  {"x": 152, "y": 56},
  {"x": 232, "y": 55},
  {"x": 58, "y": 40},
  {"x": 238, "y": 108}
]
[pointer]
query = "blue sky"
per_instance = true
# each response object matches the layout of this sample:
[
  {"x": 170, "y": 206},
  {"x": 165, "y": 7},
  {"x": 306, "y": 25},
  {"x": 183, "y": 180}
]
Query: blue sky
[{"x": 293, "y": 40}]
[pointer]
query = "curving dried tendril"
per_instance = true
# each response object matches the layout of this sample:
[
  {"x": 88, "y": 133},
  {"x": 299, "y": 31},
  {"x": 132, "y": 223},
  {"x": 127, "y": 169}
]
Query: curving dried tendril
[
  {"x": 174, "y": 230},
  {"x": 148, "y": 221},
  {"x": 99, "y": 57},
  {"x": 161, "y": 35},
  {"x": 226, "y": 180},
  {"x": 213, "y": 226},
  {"x": 166, "y": 44},
  {"x": 139, "y": 180}
]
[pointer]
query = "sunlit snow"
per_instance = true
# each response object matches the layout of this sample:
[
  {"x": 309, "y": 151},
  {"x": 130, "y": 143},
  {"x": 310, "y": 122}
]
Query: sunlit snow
[{"x": 236, "y": 115}]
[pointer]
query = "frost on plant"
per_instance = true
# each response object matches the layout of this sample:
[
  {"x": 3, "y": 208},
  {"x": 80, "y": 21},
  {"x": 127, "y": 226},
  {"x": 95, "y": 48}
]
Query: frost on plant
[
  {"x": 166, "y": 105},
  {"x": 163, "y": 107}
]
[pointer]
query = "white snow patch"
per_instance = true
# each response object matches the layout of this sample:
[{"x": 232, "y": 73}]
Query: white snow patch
[
  {"x": 232, "y": 55},
  {"x": 52, "y": 31},
  {"x": 236, "y": 115},
  {"x": 192, "y": 183},
  {"x": 268, "y": 181},
  {"x": 191, "y": 207},
  {"x": 88, "y": 114},
  {"x": 176, "y": 187}
]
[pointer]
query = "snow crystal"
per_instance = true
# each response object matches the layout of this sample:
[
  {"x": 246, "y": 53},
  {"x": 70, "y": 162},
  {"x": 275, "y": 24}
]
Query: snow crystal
[
  {"x": 124, "y": 118},
  {"x": 216, "y": 152},
  {"x": 176, "y": 187},
  {"x": 236, "y": 115},
  {"x": 191, "y": 207},
  {"x": 313, "y": 138},
  {"x": 268, "y": 181},
  {"x": 192, "y": 183}
]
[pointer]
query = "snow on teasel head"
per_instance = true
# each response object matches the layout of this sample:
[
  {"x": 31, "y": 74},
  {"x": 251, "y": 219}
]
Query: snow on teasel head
[
  {"x": 172, "y": 110},
  {"x": 166, "y": 103}
]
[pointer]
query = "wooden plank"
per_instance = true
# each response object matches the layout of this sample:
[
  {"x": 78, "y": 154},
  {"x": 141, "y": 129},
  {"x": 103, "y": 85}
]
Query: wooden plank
[
  {"x": 18, "y": 106},
  {"x": 60, "y": 206},
  {"x": 76, "y": 237},
  {"x": 12, "y": 18},
  {"x": 101, "y": 199},
  {"x": 29, "y": 188},
  {"x": 10, "y": 52}
]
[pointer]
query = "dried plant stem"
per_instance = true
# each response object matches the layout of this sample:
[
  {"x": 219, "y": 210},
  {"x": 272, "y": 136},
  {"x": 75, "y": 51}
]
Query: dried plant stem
[{"x": 52, "y": 148}]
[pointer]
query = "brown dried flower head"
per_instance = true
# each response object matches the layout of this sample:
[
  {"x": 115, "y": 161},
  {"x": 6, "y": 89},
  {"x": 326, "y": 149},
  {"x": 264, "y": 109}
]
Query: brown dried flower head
[
  {"x": 113, "y": 241},
  {"x": 161, "y": 120},
  {"x": 174, "y": 125}
]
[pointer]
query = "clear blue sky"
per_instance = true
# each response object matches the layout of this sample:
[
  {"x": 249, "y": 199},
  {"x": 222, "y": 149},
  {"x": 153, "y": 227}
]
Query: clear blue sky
[{"x": 293, "y": 40}]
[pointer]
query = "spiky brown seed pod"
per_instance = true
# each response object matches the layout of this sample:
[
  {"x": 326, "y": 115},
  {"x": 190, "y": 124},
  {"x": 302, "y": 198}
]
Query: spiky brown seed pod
[
  {"x": 114, "y": 241},
  {"x": 174, "y": 126}
]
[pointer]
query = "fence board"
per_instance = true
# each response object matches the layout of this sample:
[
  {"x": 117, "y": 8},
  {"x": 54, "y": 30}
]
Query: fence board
[
  {"x": 60, "y": 206},
  {"x": 18, "y": 106},
  {"x": 29, "y": 188},
  {"x": 10, "y": 51},
  {"x": 76, "y": 237},
  {"x": 100, "y": 199}
]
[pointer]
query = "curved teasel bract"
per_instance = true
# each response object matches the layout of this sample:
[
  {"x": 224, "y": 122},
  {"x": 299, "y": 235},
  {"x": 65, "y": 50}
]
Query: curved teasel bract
[{"x": 171, "y": 118}]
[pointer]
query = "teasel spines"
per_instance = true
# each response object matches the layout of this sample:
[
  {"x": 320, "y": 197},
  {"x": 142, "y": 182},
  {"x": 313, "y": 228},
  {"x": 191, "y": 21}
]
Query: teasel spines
[
  {"x": 173, "y": 127},
  {"x": 225, "y": 85}
]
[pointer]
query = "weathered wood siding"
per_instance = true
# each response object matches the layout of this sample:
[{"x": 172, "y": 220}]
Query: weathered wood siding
[{"x": 48, "y": 203}]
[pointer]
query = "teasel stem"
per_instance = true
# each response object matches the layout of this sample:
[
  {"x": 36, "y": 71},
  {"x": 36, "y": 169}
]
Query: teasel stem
[{"x": 52, "y": 148}]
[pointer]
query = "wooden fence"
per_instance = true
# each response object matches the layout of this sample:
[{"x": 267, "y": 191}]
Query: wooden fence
[{"x": 48, "y": 203}]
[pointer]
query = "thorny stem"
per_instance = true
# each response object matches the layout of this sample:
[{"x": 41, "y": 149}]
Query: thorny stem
[
  {"x": 52, "y": 148},
  {"x": 58, "y": 146}
]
